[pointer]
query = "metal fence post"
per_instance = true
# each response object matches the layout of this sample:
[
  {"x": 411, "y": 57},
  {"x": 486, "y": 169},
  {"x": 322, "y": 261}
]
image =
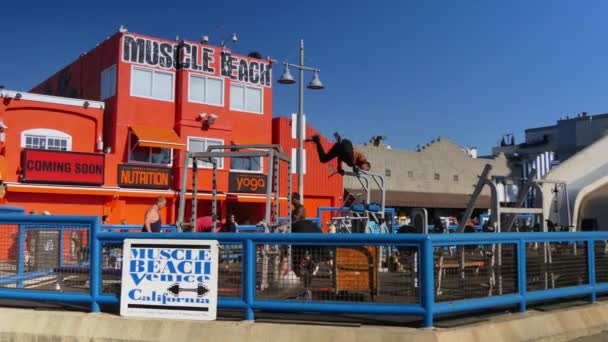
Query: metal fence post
[
  {"x": 522, "y": 276},
  {"x": 95, "y": 262},
  {"x": 427, "y": 281},
  {"x": 194, "y": 203},
  {"x": 61, "y": 246},
  {"x": 21, "y": 254},
  {"x": 249, "y": 261},
  {"x": 591, "y": 265}
]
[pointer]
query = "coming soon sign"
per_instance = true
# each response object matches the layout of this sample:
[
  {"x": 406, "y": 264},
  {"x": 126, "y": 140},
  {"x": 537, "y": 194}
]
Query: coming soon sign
[
  {"x": 57, "y": 167},
  {"x": 169, "y": 279}
]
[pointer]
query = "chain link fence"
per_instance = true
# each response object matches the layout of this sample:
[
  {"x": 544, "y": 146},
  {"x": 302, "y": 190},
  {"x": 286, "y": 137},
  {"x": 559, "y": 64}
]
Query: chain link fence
[
  {"x": 287, "y": 271},
  {"x": 601, "y": 261},
  {"x": 337, "y": 274},
  {"x": 9, "y": 255},
  {"x": 474, "y": 271},
  {"x": 44, "y": 257},
  {"x": 556, "y": 264}
]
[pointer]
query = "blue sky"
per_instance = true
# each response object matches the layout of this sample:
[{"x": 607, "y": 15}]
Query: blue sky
[{"x": 410, "y": 70}]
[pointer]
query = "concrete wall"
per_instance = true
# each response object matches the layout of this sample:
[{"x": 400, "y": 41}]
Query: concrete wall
[
  {"x": 556, "y": 325},
  {"x": 415, "y": 171}
]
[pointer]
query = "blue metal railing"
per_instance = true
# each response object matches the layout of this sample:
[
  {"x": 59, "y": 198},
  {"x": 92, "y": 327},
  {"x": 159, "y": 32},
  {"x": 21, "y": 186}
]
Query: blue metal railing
[
  {"x": 28, "y": 223},
  {"x": 321, "y": 210},
  {"x": 426, "y": 246},
  {"x": 135, "y": 228}
]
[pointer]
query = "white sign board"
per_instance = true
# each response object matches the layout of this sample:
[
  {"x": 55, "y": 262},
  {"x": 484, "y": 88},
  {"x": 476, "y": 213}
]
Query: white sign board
[
  {"x": 174, "y": 279},
  {"x": 294, "y": 161},
  {"x": 294, "y": 125}
]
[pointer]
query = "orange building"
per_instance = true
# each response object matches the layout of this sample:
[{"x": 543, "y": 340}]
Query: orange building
[
  {"x": 323, "y": 187},
  {"x": 147, "y": 101}
]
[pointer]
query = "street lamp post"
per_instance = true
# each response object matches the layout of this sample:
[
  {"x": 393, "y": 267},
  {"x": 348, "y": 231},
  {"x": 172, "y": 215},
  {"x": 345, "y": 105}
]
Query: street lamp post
[
  {"x": 300, "y": 128},
  {"x": 315, "y": 83}
]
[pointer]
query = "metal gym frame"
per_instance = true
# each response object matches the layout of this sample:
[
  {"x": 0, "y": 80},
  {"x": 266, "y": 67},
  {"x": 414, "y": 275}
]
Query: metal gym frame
[
  {"x": 497, "y": 210},
  {"x": 363, "y": 178},
  {"x": 531, "y": 186},
  {"x": 274, "y": 153}
]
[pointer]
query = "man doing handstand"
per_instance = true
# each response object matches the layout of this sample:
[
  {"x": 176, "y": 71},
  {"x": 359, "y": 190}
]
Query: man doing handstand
[{"x": 345, "y": 152}]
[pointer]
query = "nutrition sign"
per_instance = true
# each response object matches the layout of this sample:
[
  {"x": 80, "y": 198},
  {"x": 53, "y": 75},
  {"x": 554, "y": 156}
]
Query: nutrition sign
[
  {"x": 174, "y": 279},
  {"x": 44, "y": 166},
  {"x": 131, "y": 176}
]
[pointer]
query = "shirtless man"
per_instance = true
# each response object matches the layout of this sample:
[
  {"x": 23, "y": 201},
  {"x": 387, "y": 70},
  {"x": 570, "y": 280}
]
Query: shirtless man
[
  {"x": 344, "y": 151},
  {"x": 152, "y": 220}
]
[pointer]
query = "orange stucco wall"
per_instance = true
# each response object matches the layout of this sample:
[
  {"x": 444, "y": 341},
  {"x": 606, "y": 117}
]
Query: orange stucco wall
[{"x": 81, "y": 79}]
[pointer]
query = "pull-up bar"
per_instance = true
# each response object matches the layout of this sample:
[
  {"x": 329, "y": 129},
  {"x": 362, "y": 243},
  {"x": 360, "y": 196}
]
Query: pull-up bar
[
  {"x": 363, "y": 177},
  {"x": 273, "y": 152}
]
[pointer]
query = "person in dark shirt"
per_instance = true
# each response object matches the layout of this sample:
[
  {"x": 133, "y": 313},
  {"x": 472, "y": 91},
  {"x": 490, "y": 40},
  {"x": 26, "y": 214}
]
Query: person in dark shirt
[
  {"x": 487, "y": 227},
  {"x": 296, "y": 203},
  {"x": 344, "y": 151},
  {"x": 305, "y": 226},
  {"x": 439, "y": 227},
  {"x": 301, "y": 224},
  {"x": 230, "y": 225},
  {"x": 303, "y": 256}
]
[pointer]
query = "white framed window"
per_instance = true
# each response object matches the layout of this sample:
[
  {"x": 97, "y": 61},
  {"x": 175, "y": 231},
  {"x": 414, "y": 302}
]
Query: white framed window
[
  {"x": 46, "y": 139},
  {"x": 294, "y": 161},
  {"x": 196, "y": 144},
  {"x": 205, "y": 89},
  {"x": 246, "y": 99},
  {"x": 148, "y": 155},
  {"x": 152, "y": 84},
  {"x": 247, "y": 164},
  {"x": 108, "y": 83}
]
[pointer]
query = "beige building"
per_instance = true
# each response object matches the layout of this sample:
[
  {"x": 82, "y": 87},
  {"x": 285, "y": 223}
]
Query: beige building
[
  {"x": 439, "y": 175},
  {"x": 544, "y": 147}
]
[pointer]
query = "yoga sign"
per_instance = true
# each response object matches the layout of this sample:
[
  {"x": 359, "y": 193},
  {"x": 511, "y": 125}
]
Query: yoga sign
[
  {"x": 174, "y": 279},
  {"x": 247, "y": 183}
]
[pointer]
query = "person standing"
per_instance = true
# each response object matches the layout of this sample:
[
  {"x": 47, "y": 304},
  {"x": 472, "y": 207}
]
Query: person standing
[
  {"x": 295, "y": 205},
  {"x": 304, "y": 256},
  {"x": 152, "y": 220},
  {"x": 230, "y": 225}
]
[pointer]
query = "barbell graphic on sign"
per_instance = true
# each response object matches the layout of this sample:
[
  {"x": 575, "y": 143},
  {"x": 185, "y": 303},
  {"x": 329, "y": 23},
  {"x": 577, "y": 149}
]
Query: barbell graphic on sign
[{"x": 200, "y": 290}]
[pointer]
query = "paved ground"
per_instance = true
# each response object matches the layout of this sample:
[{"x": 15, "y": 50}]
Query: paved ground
[{"x": 593, "y": 338}]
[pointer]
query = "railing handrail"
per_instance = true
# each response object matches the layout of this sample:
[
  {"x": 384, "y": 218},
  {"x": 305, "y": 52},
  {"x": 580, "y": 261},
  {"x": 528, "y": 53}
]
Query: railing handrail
[
  {"x": 274, "y": 237},
  {"x": 472, "y": 238}
]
